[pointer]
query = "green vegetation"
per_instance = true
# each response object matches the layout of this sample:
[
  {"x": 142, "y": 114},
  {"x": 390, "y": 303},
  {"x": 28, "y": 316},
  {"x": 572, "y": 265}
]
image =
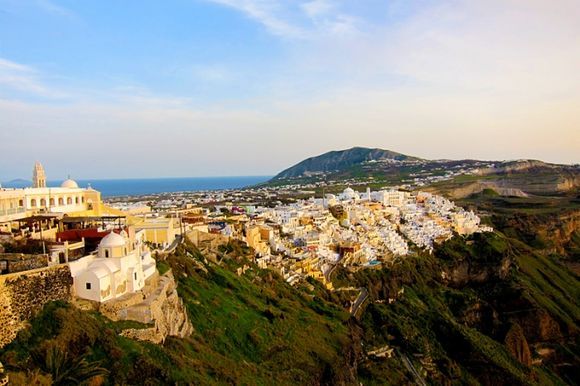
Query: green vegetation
[
  {"x": 250, "y": 330},
  {"x": 454, "y": 330},
  {"x": 480, "y": 310}
]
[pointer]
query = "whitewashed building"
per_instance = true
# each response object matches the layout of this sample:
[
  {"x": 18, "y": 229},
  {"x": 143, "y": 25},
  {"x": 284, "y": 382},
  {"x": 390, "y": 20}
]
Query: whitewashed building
[{"x": 120, "y": 266}]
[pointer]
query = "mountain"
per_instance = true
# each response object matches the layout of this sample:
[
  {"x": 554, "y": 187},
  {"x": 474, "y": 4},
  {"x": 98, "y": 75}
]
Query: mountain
[
  {"x": 453, "y": 178},
  {"x": 341, "y": 160}
]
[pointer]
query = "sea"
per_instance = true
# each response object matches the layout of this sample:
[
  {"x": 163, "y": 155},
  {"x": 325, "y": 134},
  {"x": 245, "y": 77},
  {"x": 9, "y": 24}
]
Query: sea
[{"x": 144, "y": 186}]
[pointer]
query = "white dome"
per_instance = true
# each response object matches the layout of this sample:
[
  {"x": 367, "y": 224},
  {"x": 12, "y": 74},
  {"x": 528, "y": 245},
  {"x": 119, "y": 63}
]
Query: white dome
[
  {"x": 112, "y": 240},
  {"x": 348, "y": 191},
  {"x": 71, "y": 184}
]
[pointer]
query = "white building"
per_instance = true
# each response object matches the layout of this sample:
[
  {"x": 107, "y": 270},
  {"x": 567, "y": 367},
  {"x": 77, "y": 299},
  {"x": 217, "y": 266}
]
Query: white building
[{"x": 120, "y": 266}]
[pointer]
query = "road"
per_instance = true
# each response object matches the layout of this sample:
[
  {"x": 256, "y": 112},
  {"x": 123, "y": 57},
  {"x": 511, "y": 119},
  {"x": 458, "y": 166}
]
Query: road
[
  {"x": 362, "y": 296},
  {"x": 409, "y": 365}
]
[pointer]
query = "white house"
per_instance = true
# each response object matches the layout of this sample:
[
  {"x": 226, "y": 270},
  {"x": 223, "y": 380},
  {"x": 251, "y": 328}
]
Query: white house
[{"x": 120, "y": 266}]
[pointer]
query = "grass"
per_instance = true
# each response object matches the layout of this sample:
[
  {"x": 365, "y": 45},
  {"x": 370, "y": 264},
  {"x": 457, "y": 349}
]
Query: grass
[
  {"x": 255, "y": 328},
  {"x": 248, "y": 330}
]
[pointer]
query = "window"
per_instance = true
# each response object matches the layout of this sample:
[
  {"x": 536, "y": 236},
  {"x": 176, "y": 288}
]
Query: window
[
  {"x": 20, "y": 203},
  {"x": 76, "y": 200},
  {"x": 135, "y": 275},
  {"x": 88, "y": 286},
  {"x": 106, "y": 253},
  {"x": 69, "y": 201},
  {"x": 33, "y": 203},
  {"x": 60, "y": 201},
  {"x": 51, "y": 202}
]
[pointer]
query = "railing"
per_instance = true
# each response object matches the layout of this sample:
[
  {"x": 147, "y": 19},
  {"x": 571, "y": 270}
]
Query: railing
[{"x": 11, "y": 211}]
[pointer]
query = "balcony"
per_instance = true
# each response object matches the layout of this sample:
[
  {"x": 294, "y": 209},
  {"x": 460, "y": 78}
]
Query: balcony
[{"x": 11, "y": 214}]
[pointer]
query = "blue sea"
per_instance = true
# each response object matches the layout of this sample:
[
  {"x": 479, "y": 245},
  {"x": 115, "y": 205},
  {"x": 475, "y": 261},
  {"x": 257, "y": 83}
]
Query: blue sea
[{"x": 142, "y": 186}]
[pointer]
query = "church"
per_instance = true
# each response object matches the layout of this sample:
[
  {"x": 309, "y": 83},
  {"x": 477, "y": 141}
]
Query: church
[
  {"x": 120, "y": 266},
  {"x": 68, "y": 198}
]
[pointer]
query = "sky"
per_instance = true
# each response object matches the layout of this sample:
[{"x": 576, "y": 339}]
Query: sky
[{"x": 117, "y": 89}]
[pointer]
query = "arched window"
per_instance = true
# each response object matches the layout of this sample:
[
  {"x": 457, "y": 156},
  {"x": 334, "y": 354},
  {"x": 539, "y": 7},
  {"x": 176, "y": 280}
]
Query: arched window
[
  {"x": 42, "y": 202},
  {"x": 106, "y": 253},
  {"x": 60, "y": 201},
  {"x": 51, "y": 202},
  {"x": 76, "y": 200},
  {"x": 69, "y": 201},
  {"x": 83, "y": 200},
  {"x": 33, "y": 203}
]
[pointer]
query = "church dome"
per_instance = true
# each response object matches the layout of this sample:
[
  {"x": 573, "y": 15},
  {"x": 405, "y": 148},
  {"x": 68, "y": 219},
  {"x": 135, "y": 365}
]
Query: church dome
[
  {"x": 71, "y": 184},
  {"x": 112, "y": 240}
]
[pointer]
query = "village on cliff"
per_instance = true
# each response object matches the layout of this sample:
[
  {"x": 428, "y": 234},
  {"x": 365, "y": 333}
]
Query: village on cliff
[{"x": 102, "y": 255}]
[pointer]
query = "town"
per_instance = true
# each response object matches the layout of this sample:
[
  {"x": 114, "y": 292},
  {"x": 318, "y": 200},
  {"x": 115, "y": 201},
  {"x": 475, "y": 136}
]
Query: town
[{"x": 290, "y": 230}]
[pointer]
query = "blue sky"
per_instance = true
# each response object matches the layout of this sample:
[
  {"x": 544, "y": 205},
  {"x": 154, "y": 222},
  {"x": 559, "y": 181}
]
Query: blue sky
[{"x": 103, "y": 89}]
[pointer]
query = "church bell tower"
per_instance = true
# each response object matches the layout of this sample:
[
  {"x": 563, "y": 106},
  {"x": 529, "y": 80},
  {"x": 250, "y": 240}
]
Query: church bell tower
[{"x": 38, "y": 176}]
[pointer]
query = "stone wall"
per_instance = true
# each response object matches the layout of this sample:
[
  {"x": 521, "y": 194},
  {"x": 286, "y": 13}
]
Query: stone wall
[
  {"x": 23, "y": 294},
  {"x": 18, "y": 262}
]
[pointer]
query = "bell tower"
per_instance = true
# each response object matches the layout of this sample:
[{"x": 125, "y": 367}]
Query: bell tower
[{"x": 38, "y": 176}]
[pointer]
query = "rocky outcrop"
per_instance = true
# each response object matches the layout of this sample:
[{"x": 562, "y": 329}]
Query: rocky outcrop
[
  {"x": 548, "y": 233},
  {"x": 539, "y": 326},
  {"x": 478, "y": 187},
  {"x": 517, "y": 345},
  {"x": 24, "y": 294},
  {"x": 158, "y": 306},
  {"x": 465, "y": 272}
]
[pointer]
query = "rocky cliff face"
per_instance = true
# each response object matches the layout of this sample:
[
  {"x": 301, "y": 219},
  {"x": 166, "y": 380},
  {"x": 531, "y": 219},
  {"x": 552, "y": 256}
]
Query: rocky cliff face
[
  {"x": 533, "y": 176},
  {"x": 474, "y": 301},
  {"x": 517, "y": 345},
  {"x": 165, "y": 309},
  {"x": 159, "y": 305},
  {"x": 478, "y": 187},
  {"x": 551, "y": 233}
]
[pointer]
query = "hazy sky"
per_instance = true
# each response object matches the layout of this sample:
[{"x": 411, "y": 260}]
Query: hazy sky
[{"x": 108, "y": 89}]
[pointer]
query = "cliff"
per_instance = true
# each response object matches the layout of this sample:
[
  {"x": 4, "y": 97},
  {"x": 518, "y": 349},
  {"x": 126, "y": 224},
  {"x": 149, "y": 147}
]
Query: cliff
[
  {"x": 479, "y": 310},
  {"x": 164, "y": 308}
]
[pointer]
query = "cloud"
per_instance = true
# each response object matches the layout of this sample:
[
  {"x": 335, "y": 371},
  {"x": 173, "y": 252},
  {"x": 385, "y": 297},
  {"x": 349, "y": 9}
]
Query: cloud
[
  {"x": 212, "y": 73},
  {"x": 496, "y": 45},
  {"x": 317, "y": 8},
  {"x": 306, "y": 20},
  {"x": 453, "y": 79},
  {"x": 24, "y": 79},
  {"x": 266, "y": 12}
]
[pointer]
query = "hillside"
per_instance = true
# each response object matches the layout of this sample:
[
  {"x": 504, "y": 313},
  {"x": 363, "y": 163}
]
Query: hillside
[
  {"x": 337, "y": 161},
  {"x": 491, "y": 309},
  {"x": 454, "y": 178},
  {"x": 249, "y": 329}
]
